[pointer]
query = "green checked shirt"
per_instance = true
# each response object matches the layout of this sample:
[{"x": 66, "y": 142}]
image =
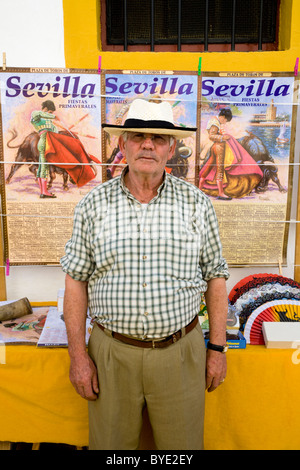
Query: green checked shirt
[{"x": 146, "y": 265}]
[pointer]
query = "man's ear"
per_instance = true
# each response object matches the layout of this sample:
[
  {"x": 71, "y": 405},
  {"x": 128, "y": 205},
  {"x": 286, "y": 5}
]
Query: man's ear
[
  {"x": 172, "y": 149},
  {"x": 121, "y": 143}
]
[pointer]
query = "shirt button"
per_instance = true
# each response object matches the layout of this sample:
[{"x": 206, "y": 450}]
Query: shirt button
[
  {"x": 144, "y": 284},
  {"x": 146, "y": 313},
  {"x": 144, "y": 257}
]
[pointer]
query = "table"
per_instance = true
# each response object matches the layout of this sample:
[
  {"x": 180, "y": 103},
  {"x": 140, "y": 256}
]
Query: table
[{"x": 257, "y": 407}]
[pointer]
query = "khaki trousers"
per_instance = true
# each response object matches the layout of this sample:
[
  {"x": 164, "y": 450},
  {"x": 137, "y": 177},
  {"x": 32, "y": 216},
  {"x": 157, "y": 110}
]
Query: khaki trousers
[{"x": 169, "y": 381}]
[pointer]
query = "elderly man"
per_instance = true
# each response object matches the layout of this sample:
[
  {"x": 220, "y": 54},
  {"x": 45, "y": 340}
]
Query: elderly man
[{"x": 145, "y": 246}]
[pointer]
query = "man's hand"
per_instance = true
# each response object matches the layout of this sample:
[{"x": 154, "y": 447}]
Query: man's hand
[
  {"x": 83, "y": 376},
  {"x": 216, "y": 368}
]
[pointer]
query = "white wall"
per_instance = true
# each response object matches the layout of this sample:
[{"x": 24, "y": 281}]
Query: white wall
[{"x": 31, "y": 35}]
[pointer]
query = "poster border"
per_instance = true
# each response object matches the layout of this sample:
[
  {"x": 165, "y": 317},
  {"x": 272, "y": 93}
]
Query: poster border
[
  {"x": 152, "y": 72},
  {"x": 283, "y": 260},
  {"x": 3, "y": 205}
]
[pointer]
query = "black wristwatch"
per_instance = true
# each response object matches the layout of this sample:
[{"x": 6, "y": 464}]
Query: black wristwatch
[{"x": 216, "y": 347}]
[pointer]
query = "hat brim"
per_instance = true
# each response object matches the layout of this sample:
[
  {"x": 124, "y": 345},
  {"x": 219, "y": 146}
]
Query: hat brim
[{"x": 178, "y": 132}]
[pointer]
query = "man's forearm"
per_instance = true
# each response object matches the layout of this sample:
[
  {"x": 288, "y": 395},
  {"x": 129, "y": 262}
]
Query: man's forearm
[
  {"x": 83, "y": 372},
  {"x": 75, "y": 312},
  {"x": 217, "y": 307}
]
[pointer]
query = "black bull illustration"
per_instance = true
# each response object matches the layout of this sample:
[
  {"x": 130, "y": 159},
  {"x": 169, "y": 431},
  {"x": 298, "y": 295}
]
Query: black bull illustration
[
  {"x": 28, "y": 153},
  {"x": 265, "y": 161}
]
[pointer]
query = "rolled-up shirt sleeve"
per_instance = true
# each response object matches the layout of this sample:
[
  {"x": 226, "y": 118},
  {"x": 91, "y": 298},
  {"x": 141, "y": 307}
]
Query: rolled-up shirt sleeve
[
  {"x": 78, "y": 260},
  {"x": 212, "y": 262}
]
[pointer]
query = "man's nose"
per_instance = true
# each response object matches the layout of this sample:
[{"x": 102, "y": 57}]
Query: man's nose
[{"x": 148, "y": 142}]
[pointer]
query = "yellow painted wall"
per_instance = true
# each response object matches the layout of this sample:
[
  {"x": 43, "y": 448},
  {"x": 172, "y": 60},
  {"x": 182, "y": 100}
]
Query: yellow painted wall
[{"x": 83, "y": 46}]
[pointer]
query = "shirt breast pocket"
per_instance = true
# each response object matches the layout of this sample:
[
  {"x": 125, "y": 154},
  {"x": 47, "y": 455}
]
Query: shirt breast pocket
[
  {"x": 188, "y": 262},
  {"x": 182, "y": 258}
]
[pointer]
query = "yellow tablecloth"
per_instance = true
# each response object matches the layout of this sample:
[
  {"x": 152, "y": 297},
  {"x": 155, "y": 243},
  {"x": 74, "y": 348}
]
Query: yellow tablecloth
[
  {"x": 257, "y": 407},
  {"x": 37, "y": 401}
]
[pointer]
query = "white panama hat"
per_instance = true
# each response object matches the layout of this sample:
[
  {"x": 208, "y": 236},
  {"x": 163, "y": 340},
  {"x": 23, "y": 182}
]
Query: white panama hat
[{"x": 152, "y": 118}]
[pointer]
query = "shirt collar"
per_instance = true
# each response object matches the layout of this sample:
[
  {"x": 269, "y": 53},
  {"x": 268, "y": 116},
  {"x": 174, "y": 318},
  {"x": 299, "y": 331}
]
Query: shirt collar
[{"x": 128, "y": 193}]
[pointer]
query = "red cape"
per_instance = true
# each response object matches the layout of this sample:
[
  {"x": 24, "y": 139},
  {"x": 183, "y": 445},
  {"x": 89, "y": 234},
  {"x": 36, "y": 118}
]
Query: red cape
[
  {"x": 243, "y": 174},
  {"x": 243, "y": 163},
  {"x": 62, "y": 149}
]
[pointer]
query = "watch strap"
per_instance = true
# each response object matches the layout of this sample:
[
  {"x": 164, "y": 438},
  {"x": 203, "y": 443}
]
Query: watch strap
[{"x": 217, "y": 347}]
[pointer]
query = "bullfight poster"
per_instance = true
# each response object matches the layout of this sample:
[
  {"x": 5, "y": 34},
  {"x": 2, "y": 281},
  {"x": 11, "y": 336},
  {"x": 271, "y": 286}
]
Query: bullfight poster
[
  {"x": 180, "y": 89},
  {"x": 50, "y": 157},
  {"x": 53, "y": 152},
  {"x": 246, "y": 161}
]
